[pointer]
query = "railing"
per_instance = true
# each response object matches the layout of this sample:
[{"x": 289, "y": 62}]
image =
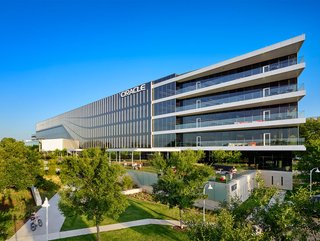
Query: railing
[
  {"x": 248, "y": 96},
  {"x": 243, "y": 120},
  {"x": 251, "y": 142},
  {"x": 229, "y": 77}
]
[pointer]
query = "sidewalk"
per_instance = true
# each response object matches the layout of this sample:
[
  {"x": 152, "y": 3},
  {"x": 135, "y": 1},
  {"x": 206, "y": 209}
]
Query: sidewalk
[
  {"x": 210, "y": 205},
  {"x": 93, "y": 230},
  {"x": 56, "y": 220}
]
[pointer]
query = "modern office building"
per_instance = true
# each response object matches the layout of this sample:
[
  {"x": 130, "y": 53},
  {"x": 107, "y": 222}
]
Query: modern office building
[{"x": 248, "y": 103}]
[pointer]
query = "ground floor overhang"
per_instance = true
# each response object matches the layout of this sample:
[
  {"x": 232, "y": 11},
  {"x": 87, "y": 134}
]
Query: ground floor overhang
[{"x": 213, "y": 148}]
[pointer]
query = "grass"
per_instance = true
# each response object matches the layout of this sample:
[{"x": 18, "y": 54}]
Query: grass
[
  {"x": 140, "y": 207},
  {"x": 145, "y": 167},
  {"x": 137, "y": 209},
  {"x": 17, "y": 206},
  {"x": 146, "y": 233}
]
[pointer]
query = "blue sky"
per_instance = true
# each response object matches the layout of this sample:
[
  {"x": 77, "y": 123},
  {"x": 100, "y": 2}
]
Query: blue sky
[{"x": 56, "y": 55}]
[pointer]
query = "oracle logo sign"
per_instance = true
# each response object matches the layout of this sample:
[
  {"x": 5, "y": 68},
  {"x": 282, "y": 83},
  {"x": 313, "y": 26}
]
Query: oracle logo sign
[{"x": 133, "y": 90}]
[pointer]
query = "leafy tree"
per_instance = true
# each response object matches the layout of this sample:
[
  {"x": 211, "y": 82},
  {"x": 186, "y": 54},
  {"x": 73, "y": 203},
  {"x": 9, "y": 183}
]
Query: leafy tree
[
  {"x": 182, "y": 180},
  {"x": 158, "y": 162},
  {"x": 5, "y": 223},
  {"x": 311, "y": 157},
  {"x": 64, "y": 152},
  {"x": 307, "y": 210},
  {"x": 136, "y": 155},
  {"x": 226, "y": 156},
  {"x": 280, "y": 221},
  {"x": 310, "y": 130},
  {"x": 289, "y": 220},
  {"x": 93, "y": 189},
  {"x": 19, "y": 165},
  {"x": 225, "y": 227}
]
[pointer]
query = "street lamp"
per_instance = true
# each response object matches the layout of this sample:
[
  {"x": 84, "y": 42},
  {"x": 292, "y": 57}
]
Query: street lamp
[
  {"x": 317, "y": 171},
  {"x": 204, "y": 200},
  {"x": 46, "y": 205}
]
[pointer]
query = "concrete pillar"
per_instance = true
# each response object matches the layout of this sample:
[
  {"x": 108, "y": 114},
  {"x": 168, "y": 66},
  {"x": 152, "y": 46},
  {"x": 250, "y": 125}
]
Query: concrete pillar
[{"x": 132, "y": 158}]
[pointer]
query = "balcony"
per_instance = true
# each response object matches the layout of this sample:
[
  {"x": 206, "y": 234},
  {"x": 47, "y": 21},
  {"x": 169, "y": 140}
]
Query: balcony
[
  {"x": 245, "y": 142},
  {"x": 243, "y": 120},
  {"x": 230, "y": 77},
  {"x": 249, "y": 96}
]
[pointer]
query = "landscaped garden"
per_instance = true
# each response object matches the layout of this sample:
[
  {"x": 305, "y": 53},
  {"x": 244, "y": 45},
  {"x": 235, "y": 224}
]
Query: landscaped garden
[
  {"x": 145, "y": 233},
  {"x": 140, "y": 206}
]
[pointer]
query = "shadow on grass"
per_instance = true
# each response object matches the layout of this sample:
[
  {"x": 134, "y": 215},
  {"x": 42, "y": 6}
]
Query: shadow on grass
[
  {"x": 74, "y": 222},
  {"x": 47, "y": 188},
  {"x": 145, "y": 233},
  {"x": 137, "y": 210}
]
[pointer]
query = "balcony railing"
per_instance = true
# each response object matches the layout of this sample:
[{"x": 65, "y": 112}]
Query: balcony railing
[
  {"x": 229, "y": 77},
  {"x": 251, "y": 142},
  {"x": 247, "y": 96},
  {"x": 243, "y": 120}
]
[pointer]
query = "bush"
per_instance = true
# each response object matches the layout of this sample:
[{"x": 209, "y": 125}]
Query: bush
[{"x": 127, "y": 182}]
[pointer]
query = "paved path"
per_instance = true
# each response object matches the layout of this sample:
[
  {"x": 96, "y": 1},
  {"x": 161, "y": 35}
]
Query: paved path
[
  {"x": 56, "y": 220},
  {"x": 93, "y": 230}
]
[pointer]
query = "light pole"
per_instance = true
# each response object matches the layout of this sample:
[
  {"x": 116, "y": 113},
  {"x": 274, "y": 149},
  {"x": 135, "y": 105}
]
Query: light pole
[
  {"x": 204, "y": 200},
  {"x": 46, "y": 205},
  {"x": 317, "y": 171}
]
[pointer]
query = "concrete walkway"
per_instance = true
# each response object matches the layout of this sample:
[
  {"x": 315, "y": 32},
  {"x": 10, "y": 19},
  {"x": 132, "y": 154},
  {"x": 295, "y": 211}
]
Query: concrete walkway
[
  {"x": 56, "y": 220},
  {"x": 93, "y": 230},
  {"x": 210, "y": 205}
]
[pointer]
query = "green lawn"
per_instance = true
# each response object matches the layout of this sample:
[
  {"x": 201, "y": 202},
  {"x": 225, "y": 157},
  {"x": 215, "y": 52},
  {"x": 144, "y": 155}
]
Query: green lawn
[
  {"x": 16, "y": 207},
  {"x": 136, "y": 210},
  {"x": 145, "y": 233}
]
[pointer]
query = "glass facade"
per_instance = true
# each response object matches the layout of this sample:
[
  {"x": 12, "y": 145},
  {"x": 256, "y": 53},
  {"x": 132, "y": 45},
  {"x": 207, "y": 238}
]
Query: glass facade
[
  {"x": 253, "y": 92},
  {"x": 164, "y": 107},
  {"x": 166, "y": 140},
  {"x": 119, "y": 121},
  {"x": 163, "y": 124},
  {"x": 164, "y": 91},
  {"x": 259, "y": 137},
  {"x": 260, "y": 114},
  {"x": 238, "y": 73},
  {"x": 249, "y": 115},
  {"x": 222, "y": 77},
  {"x": 165, "y": 78}
]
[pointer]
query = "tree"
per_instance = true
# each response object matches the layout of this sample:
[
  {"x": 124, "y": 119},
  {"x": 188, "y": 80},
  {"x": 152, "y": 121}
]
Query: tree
[
  {"x": 311, "y": 157},
  {"x": 307, "y": 210},
  {"x": 19, "y": 165},
  {"x": 225, "y": 227},
  {"x": 158, "y": 162},
  {"x": 288, "y": 220},
  {"x": 93, "y": 189},
  {"x": 182, "y": 180},
  {"x": 226, "y": 156},
  {"x": 310, "y": 130}
]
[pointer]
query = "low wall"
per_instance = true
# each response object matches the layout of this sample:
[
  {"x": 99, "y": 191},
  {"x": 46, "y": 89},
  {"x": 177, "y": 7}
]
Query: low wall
[
  {"x": 280, "y": 179},
  {"x": 143, "y": 178},
  {"x": 132, "y": 191}
]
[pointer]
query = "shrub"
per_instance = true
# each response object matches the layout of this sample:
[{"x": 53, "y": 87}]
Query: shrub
[{"x": 127, "y": 182}]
